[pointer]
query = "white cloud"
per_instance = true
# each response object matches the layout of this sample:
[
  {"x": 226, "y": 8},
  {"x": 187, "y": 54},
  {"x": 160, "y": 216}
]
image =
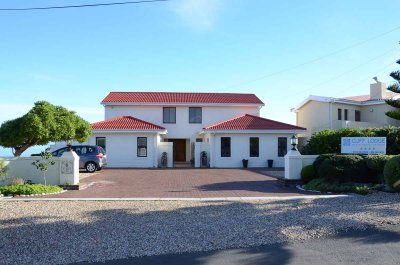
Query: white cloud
[{"x": 199, "y": 14}]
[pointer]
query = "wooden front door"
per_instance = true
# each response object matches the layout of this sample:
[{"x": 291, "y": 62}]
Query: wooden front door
[{"x": 179, "y": 149}]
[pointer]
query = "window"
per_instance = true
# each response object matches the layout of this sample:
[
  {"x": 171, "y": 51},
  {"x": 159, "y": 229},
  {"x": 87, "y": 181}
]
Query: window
[
  {"x": 346, "y": 114},
  {"x": 195, "y": 115},
  {"x": 199, "y": 140},
  {"x": 142, "y": 146},
  {"x": 339, "y": 114},
  {"x": 358, "y": 115},
  {"x": 101, "y": 141},
  {"x": 282, "y": 146},
  {"x": 169, "y": 115},
  {"x": 225, "y": 146},
  {"x": 254, "y": 146}
]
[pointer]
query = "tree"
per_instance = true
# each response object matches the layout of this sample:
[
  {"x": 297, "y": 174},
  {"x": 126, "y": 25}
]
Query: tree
[
  {"x": 44, "y": 123},
  {"x": 395, "y": 103},
  {"x": 44, "y": 163}
]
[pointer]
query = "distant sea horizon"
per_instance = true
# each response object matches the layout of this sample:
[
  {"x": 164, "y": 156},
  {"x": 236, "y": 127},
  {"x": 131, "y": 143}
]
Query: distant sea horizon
[{"x": 7, "y": 152}]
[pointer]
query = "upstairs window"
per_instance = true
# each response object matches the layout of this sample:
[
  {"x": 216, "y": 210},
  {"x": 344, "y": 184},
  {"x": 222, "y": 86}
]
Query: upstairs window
[
  {"x": 225, "y": 146},
  {"x": 357, "y": 115},
  {"x": 339, "y": 114},
  {"x": 142, "y": 146},
  {"x": 195, "y": 115},
  {"x": 346, "y": 114},
  {"x": 169, "y": 115},
  {"x": 254, "y": 147},
  {"x": 282, "y": 146}
]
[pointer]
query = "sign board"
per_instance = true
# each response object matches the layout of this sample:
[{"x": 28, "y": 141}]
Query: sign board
[{"x": 363, "y": 145}]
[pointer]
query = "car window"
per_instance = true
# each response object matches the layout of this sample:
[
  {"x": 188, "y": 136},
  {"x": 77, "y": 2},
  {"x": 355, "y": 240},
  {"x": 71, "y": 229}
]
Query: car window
[
  {"x": 77, "y": 150},
  {"x": 90, "y": 150},
  {"x": 60, "y": 151},
  {"x": 102, "y": 150}
]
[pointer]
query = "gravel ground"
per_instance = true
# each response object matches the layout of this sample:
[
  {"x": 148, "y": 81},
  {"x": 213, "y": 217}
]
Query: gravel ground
[{"x": 65, "y": 232}]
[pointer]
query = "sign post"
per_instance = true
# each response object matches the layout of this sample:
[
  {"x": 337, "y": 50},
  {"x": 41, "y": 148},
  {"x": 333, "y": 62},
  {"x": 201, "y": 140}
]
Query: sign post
[{"x": 363, "y": 145}]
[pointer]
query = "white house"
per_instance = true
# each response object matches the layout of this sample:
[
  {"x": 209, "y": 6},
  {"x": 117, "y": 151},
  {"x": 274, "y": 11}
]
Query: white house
[{"x": 140, "y": 126}]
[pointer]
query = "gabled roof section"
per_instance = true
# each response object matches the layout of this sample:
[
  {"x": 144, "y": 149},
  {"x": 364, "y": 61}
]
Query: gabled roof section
[
  {"x": 181, "y": 98},
  {"x": 126, "y": 123},
  {"x": 363, "y": 98},
  {"x": 250, "y": 122}
]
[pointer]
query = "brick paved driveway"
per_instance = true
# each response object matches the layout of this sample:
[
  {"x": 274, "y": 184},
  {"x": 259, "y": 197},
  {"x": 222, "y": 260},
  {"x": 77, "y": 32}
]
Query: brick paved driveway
[{"x": 175, "y": 183}]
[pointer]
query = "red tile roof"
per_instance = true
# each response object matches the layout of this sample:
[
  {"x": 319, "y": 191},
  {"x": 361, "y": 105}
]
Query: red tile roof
[
  {"x": 250, "y": 122},
  {"x": 125, "y": 123},
  {"x": 362, "y": 98},
  {"x": 178, "y": 97}
]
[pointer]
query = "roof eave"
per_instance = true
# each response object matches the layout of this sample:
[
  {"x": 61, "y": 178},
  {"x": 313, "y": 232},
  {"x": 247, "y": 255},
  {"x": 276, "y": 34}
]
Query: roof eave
[
  {"x": 288, "y": 131},
  {"x": 128, "y": 131}
]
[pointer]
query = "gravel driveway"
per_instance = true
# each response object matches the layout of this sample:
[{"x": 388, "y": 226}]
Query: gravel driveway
[{"x": 66, "y": 232}]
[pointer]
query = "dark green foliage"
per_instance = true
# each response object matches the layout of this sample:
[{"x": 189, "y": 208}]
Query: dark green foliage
[
  {"x": 308, "y": 174},
  {"x": 320, "y": 159},
  {"x": 44, "y": 123},
  {"x": 375, "y": 165},
  {"x": 391, "y": 172},
  {"x": 328, "y": 141},
  {"x": 28, "y": 189},
  {"x": 395, "y": 87},
  {"x": 325, "y": 185},
  {"x": 343, "y": 168}
]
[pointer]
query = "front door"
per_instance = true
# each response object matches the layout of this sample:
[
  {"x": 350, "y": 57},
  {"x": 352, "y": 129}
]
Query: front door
[{"x": 179, "y": 149}]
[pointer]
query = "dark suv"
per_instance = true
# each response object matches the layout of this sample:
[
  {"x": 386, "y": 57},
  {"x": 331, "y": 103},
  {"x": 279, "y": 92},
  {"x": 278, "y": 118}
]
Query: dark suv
[{"x": 91, "y": 157}]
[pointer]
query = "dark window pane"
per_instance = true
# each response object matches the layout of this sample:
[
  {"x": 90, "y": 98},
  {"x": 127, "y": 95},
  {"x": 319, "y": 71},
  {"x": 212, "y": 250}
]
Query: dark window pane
[
  {"x": 195, "y": 115},
  {"x": 339, "y": 114},
  {"x": 101, "y": 141},
  {"x": 254, "y": 146},
  {"x": 169, "y": 115},
  {"x": 358, "y": 115},
  {"x": 199, "y": 140},
  {"x": 225, "y": 146},
  {"x": 282, "y": 146},
  {"x": 142, "y": 146},
  {"x": 346, "y": 114}
]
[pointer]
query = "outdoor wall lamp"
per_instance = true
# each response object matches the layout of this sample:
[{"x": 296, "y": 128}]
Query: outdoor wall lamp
[
  {"x": 69, "y": 144},
  {"x": 294, "y": 141}
]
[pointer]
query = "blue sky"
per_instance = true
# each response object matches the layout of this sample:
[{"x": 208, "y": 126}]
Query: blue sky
[{"x": 74, "y": 57}]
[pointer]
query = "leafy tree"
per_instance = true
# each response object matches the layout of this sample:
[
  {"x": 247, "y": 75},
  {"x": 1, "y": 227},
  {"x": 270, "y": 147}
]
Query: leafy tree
[
  {"x": 44, "y": 163},
  {"x": 44, "y": 123},
  {"x": 395, "y": 103},
  {"x": 3, "y": 169}
]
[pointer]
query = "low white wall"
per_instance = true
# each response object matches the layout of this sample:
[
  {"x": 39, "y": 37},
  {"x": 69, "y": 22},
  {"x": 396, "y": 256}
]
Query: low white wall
[
  {"x": 198, "y": 148},
  {"x": 294, "y": 163},
  {"x": 168, "y": 148},
  {"x": 22, "y": 167}
]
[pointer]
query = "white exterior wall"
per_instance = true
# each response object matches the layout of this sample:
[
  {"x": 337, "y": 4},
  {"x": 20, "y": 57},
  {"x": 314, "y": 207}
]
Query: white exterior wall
[
  {"x": 182, "y": 129},
  {"x": 121, "y": 149},
  {"x": 240, "y": 149}
]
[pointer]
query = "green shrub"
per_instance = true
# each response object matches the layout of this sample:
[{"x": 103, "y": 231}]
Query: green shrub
[
  {"x": 28, "y": 189},
  {"x": 320, "y": 159},
  {"x": 324, "y": 185},
  {"x": 375, "y": 165},
  {"x": 343, "y": 168},
  {"x": 308, "y": 173},
  {"x": 392, "y": 172},
  {"x": 328, "y": 141}
]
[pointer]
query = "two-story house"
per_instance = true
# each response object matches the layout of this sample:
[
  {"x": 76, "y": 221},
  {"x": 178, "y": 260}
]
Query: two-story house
[
  {"x": 318, "y": 113},
  {"x": 139, "y": 125}
]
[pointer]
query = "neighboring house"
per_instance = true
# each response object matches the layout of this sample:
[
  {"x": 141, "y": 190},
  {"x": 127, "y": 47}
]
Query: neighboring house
[
  {"x": 318, "y": 113},
  {"x": 139, "y": 126}
]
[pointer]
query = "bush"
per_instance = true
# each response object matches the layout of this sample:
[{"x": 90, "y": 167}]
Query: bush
[
  {"x": 392, "y": 172},
  {"x": 15, "y": 181},
  {"x": 308, "y": 174},
  {"x": 375, "y": 165},
  {"x": 320, "y": 159},
  {"x": 343, "y": 168},
  {"x": 324, "y": 185},
  {"x": 328, "y": 141},
  {"x": 29, "y": 189}
]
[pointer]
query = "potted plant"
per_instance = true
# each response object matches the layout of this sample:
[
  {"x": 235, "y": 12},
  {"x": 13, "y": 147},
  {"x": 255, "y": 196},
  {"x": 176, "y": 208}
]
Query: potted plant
[
  {"x": 245, "y": 163},
  {"x": 164, "y": 160},
  {"x": 270, "y": 163},
  {"x": 204, "y": 159}
]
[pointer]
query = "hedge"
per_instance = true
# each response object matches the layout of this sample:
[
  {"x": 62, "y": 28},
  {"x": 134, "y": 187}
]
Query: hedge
[
  {"x": 29, "y": 189},
  {"x": 328, "y": 141},
  {"x": 308, "y": 173},
  {"x": 392, "y": 172}
]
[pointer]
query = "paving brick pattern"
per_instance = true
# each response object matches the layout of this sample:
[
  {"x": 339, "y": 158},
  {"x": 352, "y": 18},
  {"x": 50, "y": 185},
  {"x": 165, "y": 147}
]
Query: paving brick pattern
[{"x": 179, "y": 183}]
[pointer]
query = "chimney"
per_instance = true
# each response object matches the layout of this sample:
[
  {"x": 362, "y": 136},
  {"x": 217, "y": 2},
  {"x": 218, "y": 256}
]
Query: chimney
[{"x": 377, "y": 90}]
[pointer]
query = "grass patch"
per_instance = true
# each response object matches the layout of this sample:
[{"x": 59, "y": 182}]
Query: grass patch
[
  {"x": 29, "y": 189},
  {"x": 324, "y": 185}
]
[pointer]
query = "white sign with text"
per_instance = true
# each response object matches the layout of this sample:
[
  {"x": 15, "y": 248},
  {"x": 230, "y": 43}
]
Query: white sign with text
[{"x": 363, "y": 145}]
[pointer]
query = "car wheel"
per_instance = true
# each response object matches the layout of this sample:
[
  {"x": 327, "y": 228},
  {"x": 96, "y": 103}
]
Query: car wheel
[{"x": 91, "y": 167}]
